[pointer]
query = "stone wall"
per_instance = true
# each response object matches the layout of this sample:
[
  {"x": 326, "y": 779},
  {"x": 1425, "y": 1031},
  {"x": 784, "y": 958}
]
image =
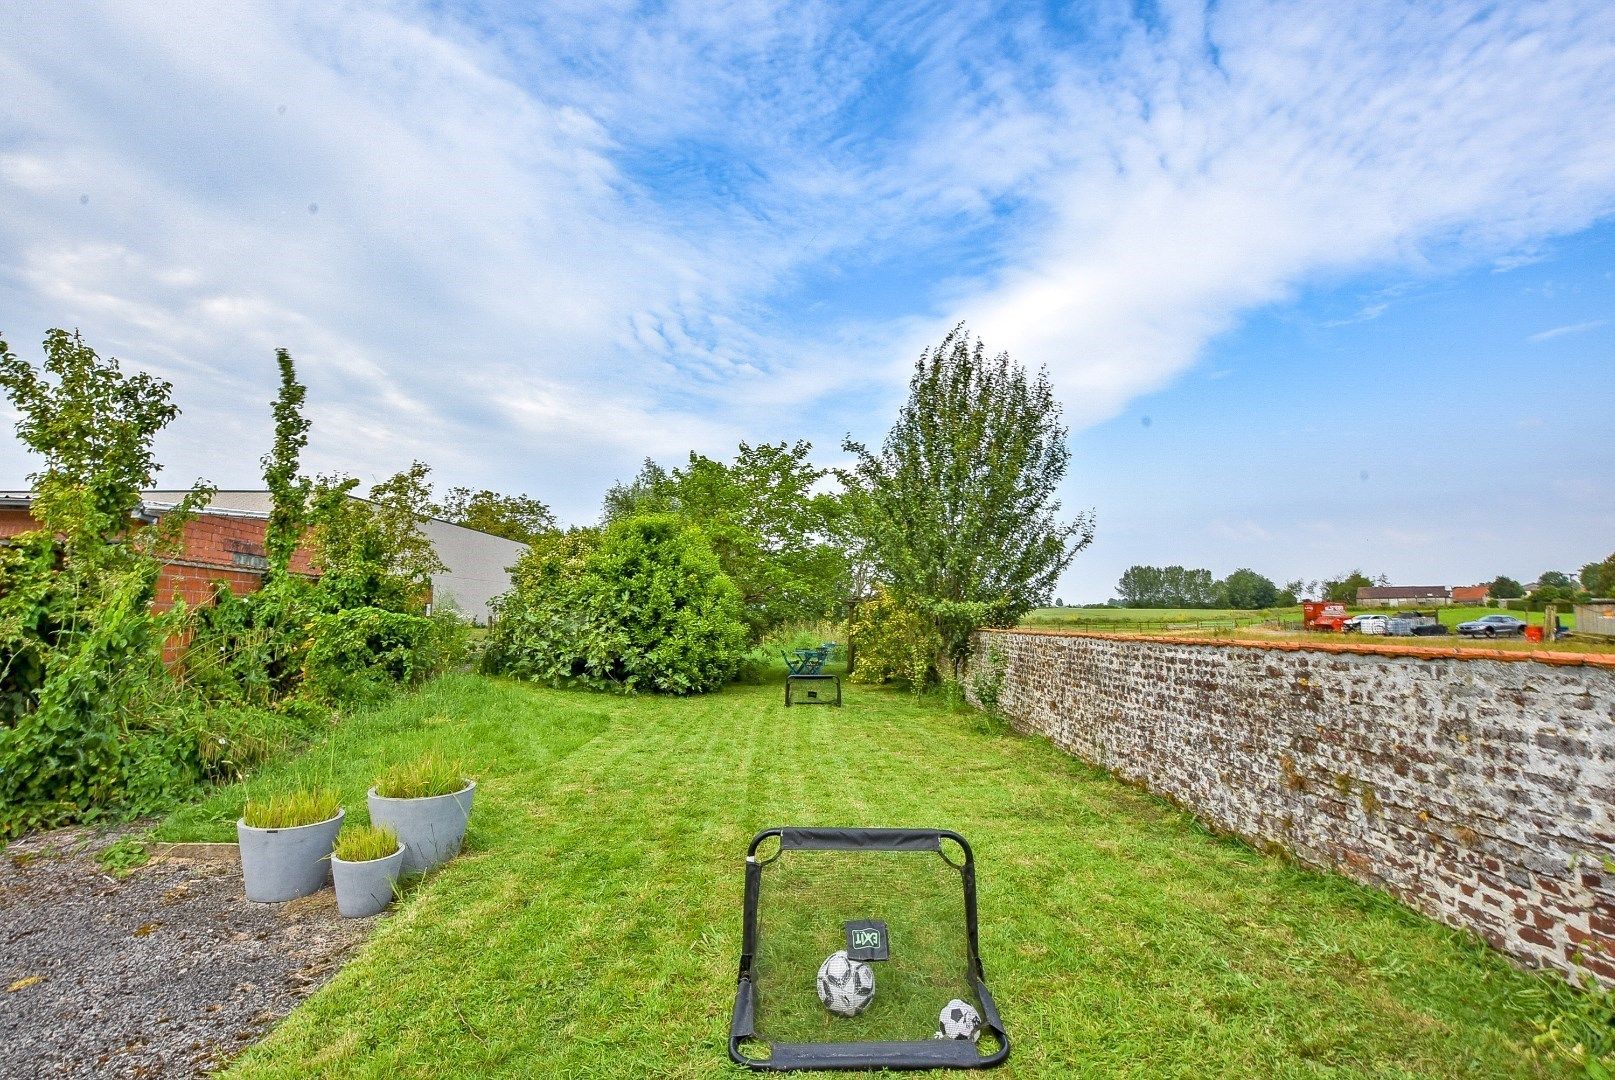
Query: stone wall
[{"x": 1478, "y": 790}]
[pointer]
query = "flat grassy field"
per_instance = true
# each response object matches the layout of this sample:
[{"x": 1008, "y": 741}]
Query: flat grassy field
[
  {"x": 1257, "y": 625},
  {"x": 592, "y": 928}
]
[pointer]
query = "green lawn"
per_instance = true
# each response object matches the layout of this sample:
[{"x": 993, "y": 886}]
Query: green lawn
[{"x": 592, "y": 928}]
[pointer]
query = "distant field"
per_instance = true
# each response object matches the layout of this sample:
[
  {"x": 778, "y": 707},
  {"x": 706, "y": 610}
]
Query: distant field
[
  {"x": 1258, "y": 625},
  {"x": 1155, "y": 618}
]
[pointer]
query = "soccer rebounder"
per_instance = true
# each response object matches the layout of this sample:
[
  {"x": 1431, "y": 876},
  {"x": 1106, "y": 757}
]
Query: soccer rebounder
[{"x": 860, "y": 952}]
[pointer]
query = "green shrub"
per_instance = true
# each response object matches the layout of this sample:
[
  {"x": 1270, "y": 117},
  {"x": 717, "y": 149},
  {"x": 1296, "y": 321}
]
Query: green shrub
[
  {"x": 359, "y": 655},
  {"x": 365, "y": 843},
  {"x": 643, "y": 607},
  {"x": 427, "y": 776},
  {"x": 291, "y": 809},
  {"x": 893, "y": 644}
]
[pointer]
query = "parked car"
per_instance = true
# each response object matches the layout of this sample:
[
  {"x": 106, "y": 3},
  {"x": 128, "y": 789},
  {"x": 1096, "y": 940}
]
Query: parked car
[{"x": 1491, "y": 626}]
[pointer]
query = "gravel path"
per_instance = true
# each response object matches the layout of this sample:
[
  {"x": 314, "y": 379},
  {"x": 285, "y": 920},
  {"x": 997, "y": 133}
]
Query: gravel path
[{"x": 167, "y": 972}]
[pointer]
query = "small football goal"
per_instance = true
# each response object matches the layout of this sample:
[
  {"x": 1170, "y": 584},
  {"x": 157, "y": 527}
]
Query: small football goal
[{"x": 860, "y": 952}]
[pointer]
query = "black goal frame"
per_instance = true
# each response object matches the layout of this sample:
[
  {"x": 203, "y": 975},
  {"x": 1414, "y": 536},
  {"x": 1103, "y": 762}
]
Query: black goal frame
[{"x": 901, "y": 1054}]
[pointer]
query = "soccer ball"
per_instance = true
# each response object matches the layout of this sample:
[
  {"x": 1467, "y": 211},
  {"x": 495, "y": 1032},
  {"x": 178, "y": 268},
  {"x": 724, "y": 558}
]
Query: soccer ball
[
  {"x": 846, "y": 986},
  {"x": 959, "y": 1020}
]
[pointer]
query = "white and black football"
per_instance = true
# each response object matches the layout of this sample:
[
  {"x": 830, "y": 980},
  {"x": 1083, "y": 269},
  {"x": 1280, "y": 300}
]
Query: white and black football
[
  {"x": 959, "y": 1020},
  {"x": 846, "y": 986}
]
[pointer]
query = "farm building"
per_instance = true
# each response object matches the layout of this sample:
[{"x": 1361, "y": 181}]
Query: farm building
[
  {"x": 1403, "y": 595},
  {"x": 225, "y": 543},
  {"x": 1471, "y": 595},
  {"x": 1596, "y": 617}
]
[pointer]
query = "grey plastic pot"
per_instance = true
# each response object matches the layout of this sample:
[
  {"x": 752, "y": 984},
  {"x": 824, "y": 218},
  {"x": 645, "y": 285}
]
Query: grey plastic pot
[
  {"x": 430, "y": 829},
  {"x": 366, "y": 888},
  {"x": 283, "y": 864}
]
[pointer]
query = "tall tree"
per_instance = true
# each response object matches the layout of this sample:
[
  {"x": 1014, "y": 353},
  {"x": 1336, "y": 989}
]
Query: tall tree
[
  {"x": 649, "y": 492},
  {"x": 371, "y": 552},
  {"x": 772, "y": 532},
  {"x": 1599, "y": 578},
  {"x": 1344, "y": 589},
  {"x": 960, "y": 508},
  {"x": 515, "y": 517},
  {"x": 290, "y": 493},
  {"x": 1505, "y": 588},
  {"x": 1143, "y": 587},
  {"x": 93, "y": 426},
  {"x": 1249, "y": 591},
  {"x": 1555, "y": 579}
]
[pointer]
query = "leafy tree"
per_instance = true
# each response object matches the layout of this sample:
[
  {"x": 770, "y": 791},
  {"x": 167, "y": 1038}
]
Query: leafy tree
[
  {"x": 1249, "y": 591},
  {"x": 1168, "y": 587},
  {"x": 1598, "y": 579},
  {"x": 1142, "y": 587},
  {"x": 80, "y": 649},
  {"x": 290, "y": 493},
  {"x": 649, "y": 492},
  {"x": 771, "y": 531},
  {"x": 93, "y": 426},
  {"x": 515, "y": 517},
  {"x": 1555, "y": 579},
  {"x": 1344, "y": 589},
  {"x": 1505, "y": 588},
  {"x": 959, "y": 503},
  {"x": 371, "y": 552},
  {"x": 644, "y": 605}
]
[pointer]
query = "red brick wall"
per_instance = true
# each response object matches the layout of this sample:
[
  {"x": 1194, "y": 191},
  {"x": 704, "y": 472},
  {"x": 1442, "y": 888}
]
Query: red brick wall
[
  {"x": 13, "y": 522},
  {"x": 1477, "y": 789},
  {"x": 210, "y": 546}
]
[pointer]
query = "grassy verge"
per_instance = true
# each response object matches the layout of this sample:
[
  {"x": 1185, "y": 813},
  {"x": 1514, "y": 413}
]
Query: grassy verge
[{"x": 592, "y": 928}]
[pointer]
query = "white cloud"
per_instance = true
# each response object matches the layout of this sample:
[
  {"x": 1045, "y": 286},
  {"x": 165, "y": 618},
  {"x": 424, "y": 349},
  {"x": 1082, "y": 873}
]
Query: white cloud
[
  {"x": 1313, "y": 140},
  {"x": 1573, "y": 328},
  {"x": 548, "y": 240}
]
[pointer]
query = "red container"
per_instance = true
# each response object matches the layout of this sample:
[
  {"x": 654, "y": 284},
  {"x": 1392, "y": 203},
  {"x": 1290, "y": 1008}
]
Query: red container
[{"x": 1533, "y": 633}]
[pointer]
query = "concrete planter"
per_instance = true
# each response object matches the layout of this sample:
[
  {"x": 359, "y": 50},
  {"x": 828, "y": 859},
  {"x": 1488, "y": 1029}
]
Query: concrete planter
[
  {"x": 283, "y": 864},
  {"x": 430, "y": 829},
  {"x": 366, "y": 888}
]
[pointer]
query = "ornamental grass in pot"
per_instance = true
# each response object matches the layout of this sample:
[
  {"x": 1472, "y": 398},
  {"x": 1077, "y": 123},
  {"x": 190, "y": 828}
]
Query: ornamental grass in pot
[
  {"x": 427, "y": 802},
  {"x": 286, "y": 844},
  {"x": 366, "y": 864}
]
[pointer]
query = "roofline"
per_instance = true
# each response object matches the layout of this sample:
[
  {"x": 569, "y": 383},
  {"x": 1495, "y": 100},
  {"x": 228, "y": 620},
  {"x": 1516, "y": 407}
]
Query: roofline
[{"x": 22, "y": 500}]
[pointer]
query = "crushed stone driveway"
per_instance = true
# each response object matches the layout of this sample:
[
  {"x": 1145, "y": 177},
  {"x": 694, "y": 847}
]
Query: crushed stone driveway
[{"x": 167, "y": 972}]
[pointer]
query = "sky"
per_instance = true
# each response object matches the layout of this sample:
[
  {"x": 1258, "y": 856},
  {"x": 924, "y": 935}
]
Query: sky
[{"x": 1319, "y": 286}]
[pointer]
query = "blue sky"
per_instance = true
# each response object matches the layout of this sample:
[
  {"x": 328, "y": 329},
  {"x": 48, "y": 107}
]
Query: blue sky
[{"x": 1351, "y": 263}]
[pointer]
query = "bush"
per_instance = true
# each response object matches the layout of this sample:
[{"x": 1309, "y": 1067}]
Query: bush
[
  {"x": 643, "y": 606},
  {"x": 358, "y": 655},
  {"x": 893, "y": 643}
]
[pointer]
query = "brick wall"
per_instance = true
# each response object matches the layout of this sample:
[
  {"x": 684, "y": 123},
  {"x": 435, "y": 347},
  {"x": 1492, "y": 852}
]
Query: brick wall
[
  {"x": 1479, "y": 791},
  {"x": 13, "y": 522}
]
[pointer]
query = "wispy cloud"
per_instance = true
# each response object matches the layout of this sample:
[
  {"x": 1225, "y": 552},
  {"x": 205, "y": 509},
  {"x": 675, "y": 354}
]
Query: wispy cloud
[
  {"x": 532, "y": 243},
  {"x": 1573, "y": 328}
]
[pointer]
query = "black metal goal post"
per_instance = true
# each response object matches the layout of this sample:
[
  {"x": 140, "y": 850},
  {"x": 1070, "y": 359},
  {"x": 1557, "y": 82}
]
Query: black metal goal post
[{"x": 904, "y": 898}]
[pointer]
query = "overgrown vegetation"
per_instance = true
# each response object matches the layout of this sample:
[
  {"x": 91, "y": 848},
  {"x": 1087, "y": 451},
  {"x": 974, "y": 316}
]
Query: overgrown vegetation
[
  {"x": 642, "y": 605},
  {"x": 92, "y": 720}
]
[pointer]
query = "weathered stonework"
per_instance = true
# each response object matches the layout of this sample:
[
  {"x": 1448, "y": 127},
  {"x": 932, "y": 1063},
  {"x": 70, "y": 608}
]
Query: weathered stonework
[{"x": 1478, "y": 791}]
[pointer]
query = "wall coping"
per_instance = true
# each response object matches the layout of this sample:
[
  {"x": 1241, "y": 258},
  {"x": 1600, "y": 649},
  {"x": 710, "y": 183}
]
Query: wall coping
[{"x": 1360, "y": 648}]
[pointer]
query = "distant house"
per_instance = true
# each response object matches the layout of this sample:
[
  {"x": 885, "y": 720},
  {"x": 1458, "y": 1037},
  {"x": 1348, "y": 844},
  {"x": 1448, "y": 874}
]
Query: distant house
[
  {"x": 1403, "y": 596},
  {"x": 224, "y": 543},
  {"x": 1471, "y": 595}
]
